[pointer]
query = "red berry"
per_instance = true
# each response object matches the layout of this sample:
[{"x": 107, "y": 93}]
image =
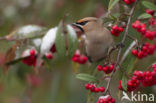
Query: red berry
[
  {"x": 83, "y": 59},
  {"x": 32, "y": 52},
  {"x": 127, "y": 2},
  {"x": 75, "y": 59},
  {"x": 49, "y": 55},
  {"x": 92, "y": 88},
  {"x": 120, "y": 29},
  {"x": 102, "y": 89},
  {"x": 105, "y": 68},
  {"x": 53, "y": 49},
  {"x": 151, "y": 12},
  {"x": 100, "y": 68},
  {"x": 87, "y": 86},
  {"x": 96, "y": 90},
  {"x": 140, "y": 54},
  {"x": 154, "y": 66},
  {"x": 135, "y": 52},
  {"x": 144, "y": 48}
]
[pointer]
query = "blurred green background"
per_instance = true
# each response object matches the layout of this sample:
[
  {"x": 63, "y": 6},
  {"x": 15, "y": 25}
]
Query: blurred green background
[{"x": 59, "y": 84}]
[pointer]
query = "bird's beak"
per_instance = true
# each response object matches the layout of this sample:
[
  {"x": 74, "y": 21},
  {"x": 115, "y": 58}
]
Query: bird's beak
[{"x": 78, "y": 26}]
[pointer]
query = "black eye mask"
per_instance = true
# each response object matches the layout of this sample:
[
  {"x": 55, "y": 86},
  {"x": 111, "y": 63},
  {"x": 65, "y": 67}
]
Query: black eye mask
[{"x": 82, "y": 23}]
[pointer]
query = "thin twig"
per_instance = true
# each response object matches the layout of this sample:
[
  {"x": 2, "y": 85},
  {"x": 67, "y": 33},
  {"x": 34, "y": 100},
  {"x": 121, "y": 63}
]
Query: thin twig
[
  {"x": 120, "y": 50},
  {"x": 127, "y": 51}
]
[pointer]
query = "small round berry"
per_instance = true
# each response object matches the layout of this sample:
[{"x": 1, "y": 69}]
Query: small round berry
[
  {"x": 144, "y": 48},
  {"x": 83, "y": 59},
  {"x": 135, "y": 52},
  {"x": 87, "y": 86},
  {"x": 105, "y": 69},
  {"x": 120, "y": 29},
  {"x": 140, "y": 54},
  {"x": 100, "y": 68},
  {"x": 92, "y": 88},
  {"x": 154, "y": 66},
  {"x": 96, "y": 90},
  {"x": 127, "y": 2},
  {"x": 102, "y": 89},
  {"x": 75, "y": 59},
  {"x": 111, "y": 67},
  {"x": 151, "y": 12},
  {"x": 32, "y": 52},
  {"x": 49, "y": 55}
]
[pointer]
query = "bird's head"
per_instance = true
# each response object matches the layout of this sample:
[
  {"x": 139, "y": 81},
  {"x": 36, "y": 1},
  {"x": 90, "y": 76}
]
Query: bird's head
[{"x": 86, "y": 24}]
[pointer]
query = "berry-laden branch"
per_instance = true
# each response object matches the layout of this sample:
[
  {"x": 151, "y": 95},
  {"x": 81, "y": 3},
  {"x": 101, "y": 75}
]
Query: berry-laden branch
[{"x": 120, "y": 49}]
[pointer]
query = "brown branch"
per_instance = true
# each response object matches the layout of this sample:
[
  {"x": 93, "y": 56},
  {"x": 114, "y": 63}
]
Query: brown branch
[{"x": 122, "y": 42}]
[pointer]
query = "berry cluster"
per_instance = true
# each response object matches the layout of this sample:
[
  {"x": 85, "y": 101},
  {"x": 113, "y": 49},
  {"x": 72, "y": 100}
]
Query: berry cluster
[
  {"x": 141, "y": 27},
  {"x": 106, "y": 99},
  {"x": 30, "y": 56},
  {"x": 81, "y": 59},
  {"x": 116, "y": 30},
  {"x": 107, "y": 69},
  {"x": 93, "y": 88},
  {"x": 128, "y": 2},
  {"x": 30, "y": 60},
  {"x": 147, "y": 78},
  {"x": 132, "y": 84},
  {"x": 146, "y": 49}
]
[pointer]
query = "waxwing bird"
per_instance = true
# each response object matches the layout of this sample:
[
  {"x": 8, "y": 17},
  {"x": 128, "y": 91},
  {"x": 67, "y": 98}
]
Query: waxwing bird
[{"x": 98, "y": 38}]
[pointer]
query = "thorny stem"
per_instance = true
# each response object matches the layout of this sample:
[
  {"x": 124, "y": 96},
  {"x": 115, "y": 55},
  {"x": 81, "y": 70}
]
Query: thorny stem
[{"x": 120, "y": 50}]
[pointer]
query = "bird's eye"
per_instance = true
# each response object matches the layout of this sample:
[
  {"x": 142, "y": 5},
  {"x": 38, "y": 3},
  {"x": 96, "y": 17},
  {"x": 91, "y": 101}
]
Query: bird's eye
[{"x": 83, "y": 23}]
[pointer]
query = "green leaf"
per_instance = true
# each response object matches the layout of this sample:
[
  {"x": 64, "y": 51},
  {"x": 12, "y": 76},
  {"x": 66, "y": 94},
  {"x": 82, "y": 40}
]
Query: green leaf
[
  {"x": 60, "y": 43},
  {"x": 149, "y": 5},
  {"x": 112, "y": 3},
  {"x": 86, "y": 77},
  {"x": 144, "y": 16},
  {"x": 124, "y": 83},
  {"x": 113, "y": 17},
  {"x": 72, "y": 41},
  {"x": 116, "y": 15}
]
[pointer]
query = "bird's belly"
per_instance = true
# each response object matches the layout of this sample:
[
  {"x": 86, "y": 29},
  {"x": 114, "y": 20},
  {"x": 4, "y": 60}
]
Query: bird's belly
[{"x": 96, "y": 51}]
